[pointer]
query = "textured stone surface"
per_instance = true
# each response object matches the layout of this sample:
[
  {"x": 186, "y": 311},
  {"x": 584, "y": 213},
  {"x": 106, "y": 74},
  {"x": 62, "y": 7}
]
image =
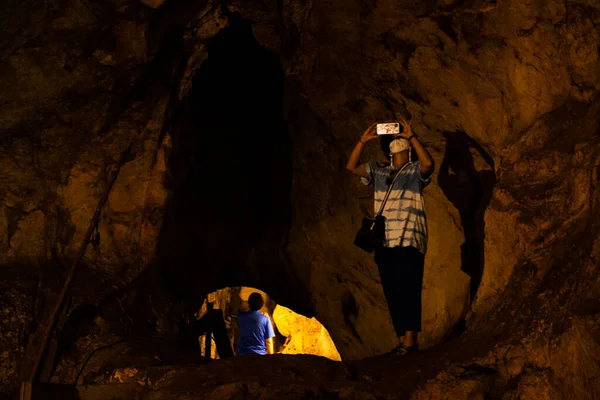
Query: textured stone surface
[
  {"x": 487, "y": 67},
  {"x": 515, "y": 209},
  {"x": 304, "y": 335},
  {"x": 527, "y": 370}
]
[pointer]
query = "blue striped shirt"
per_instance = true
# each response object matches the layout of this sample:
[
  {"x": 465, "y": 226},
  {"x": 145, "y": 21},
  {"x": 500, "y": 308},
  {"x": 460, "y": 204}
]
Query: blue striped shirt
[{"x": 404, "y": 212}]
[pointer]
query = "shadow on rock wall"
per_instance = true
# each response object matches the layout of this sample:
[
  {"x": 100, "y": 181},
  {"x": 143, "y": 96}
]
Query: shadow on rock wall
[{"x": 470, "y": 191}]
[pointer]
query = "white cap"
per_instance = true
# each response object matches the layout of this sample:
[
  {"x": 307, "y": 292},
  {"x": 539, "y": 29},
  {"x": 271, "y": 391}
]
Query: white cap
[{"x": 398, "y": 145}]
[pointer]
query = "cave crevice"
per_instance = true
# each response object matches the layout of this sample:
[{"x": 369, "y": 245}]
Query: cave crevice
[{"x": 229, "y": 175}]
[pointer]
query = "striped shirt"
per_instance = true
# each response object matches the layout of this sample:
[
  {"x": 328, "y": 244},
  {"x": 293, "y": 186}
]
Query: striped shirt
[{"x": 405, "y": 223}]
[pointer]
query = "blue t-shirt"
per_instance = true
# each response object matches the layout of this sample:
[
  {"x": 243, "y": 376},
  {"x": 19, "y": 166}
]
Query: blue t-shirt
[{"x": 255, "y": 327}]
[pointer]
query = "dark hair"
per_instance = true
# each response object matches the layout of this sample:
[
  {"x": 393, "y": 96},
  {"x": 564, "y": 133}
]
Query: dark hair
[
  {"x": 385, "y": 141},
  {"x": 255, "y": 301}
]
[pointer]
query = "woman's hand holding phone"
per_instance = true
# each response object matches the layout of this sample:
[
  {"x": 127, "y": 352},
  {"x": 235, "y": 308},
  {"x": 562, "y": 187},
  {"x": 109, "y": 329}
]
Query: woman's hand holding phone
[
  {"x": 369, "y": 134},
  {"x": 406, "y": 128}
]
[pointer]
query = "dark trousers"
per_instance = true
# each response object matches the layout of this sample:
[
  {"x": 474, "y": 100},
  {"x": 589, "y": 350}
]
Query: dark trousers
[
  {"x": 401, "y": 272},
  {"x": 211, "y": 323}
]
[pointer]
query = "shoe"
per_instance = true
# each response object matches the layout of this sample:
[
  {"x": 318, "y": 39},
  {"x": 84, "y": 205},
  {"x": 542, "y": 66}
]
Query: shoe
[{"x": 402, "y": 350}]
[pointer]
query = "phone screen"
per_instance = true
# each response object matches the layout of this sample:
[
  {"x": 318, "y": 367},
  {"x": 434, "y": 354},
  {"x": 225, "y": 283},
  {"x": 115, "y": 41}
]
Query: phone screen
[{"x": 391, "y": 128}]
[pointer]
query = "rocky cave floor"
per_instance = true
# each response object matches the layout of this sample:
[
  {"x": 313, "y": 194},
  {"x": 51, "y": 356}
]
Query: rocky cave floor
[
  {"x": 530, "y": 354},
  {"x": 459, "y": 368},
  {"x": 286, "y": 376}
]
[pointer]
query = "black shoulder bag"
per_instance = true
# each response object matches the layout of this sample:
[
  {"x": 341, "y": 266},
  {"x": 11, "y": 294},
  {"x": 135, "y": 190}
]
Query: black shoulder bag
[{"x": 372, "y": 232}]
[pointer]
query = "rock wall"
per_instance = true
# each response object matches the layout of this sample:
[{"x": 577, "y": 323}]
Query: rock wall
[
  {"x": 67, "y": 118},
  {"x": 304, "y": 335},
  {"x": 504, "y": 94},
  {"x": 513, "y": 132}
]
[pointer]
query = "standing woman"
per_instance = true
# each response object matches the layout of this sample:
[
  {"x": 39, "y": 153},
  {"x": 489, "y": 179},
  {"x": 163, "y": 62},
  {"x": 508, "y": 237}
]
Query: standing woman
[{"x": 401, "y": 258}]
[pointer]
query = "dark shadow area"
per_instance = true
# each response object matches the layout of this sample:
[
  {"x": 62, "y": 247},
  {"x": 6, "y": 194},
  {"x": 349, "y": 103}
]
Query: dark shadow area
[
  {"x": 470, "y": 191},
  {"x": 54, "y": 391},
  {"x": 229, "y": 175},
  {"x": 228, "y": 212},
  {"x": 211, "y": 324}
]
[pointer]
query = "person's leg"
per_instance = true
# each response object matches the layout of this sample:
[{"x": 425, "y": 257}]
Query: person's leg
[
  {"x": 386, "y": 263},
  {"x": 398, "y": 280},
  {"x": 410, "y": 339},
  {"x": 395, "y": 286},
  {"x": 411, "y": 262}
]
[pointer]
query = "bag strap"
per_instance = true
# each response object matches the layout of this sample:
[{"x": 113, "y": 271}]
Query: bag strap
[{"x": 387, "y": 195}]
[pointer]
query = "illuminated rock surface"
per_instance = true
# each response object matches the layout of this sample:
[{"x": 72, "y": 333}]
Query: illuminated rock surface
[
  {"x": 304, "y": 335},
  {"x": 236, "y": 178}
]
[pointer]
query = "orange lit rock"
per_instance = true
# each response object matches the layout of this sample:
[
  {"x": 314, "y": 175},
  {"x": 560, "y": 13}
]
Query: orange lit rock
[{"x": 304, "y": 335}]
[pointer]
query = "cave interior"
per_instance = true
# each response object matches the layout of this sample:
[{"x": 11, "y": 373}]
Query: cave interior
[{"x": 173, "y": 155}]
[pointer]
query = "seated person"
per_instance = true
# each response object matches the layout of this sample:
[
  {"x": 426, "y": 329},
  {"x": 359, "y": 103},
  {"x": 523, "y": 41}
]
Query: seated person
[{"x": 256, "y": 331}]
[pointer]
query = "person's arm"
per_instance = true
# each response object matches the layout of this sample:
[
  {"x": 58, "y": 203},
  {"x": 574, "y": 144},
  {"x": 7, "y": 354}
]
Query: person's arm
[
  {"x": 354, "y": 165},
  {"x": 269, "y": 335},
  {"x": 269, "y": 345},
  {"x": 427, "y": 164}
]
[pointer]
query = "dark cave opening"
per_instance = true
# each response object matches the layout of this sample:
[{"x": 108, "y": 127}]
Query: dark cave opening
[
  {"x": 229, "y": 173},
  {"x": 229, "y": 177}
]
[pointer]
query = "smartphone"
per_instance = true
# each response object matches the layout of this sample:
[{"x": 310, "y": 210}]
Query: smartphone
[{"x": 391, "y": 128}]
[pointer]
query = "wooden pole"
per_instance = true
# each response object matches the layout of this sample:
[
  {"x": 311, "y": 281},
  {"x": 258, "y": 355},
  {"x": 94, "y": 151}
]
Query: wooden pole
[
  {"x": 27, "y": 385},
  {"x": 208, "y": 334}
]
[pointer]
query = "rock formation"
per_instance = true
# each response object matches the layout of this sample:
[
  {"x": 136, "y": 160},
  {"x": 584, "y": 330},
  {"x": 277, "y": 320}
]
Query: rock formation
[
  {"x": 304, "y": 335},
  {"x": 240, "y": 116}
]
